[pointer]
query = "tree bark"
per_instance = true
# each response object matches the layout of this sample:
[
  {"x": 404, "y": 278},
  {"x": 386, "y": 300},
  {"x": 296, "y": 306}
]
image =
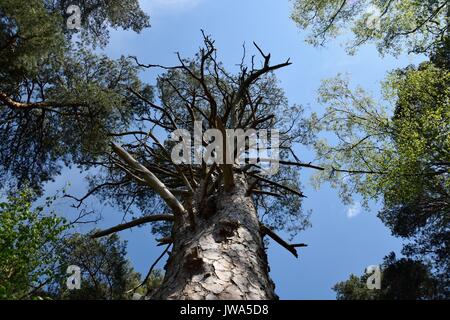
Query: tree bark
[{"x": 223, "y": 256}]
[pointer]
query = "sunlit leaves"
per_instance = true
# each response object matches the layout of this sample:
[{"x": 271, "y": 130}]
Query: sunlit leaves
[
  {"x": 394, "y": 25},
  {"x": 28, "y": 238}
]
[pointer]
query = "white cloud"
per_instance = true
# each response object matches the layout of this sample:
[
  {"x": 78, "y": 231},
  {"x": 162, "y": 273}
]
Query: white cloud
[{"x": 354, "y": 210}]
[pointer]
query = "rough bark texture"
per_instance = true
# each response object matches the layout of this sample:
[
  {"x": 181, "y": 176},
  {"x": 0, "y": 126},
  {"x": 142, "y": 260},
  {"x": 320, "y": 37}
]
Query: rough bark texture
[{"x": 223, "y": 257}]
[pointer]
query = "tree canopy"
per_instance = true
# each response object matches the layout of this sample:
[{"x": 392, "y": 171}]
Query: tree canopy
[
  {"x": 58, "y": 99},
  {"x": 106, "y": 272},
  {"x": 38, "y": 246},
  {"x": 29, "y": 239},
  {"x": 396, "y": 150},
  {"x": 201, "y": 89},
  {"x": 394, "y": 25},
  {"x": 402, "y": 279}
]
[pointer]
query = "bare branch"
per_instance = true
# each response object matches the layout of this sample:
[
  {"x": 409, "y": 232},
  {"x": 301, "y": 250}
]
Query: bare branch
[
  {"x": 298, "y": 245},
  {"x": 276, "y": 184},
  {"x": 94, "y": 190},
  {"x": 36, "y": 105},
  {"x": 291, "y": 163},
  {"x": 134, "y": 223},
  {"x": 148, "y": 66},
  {"x": 266, "y": 231},
  {"x": 180, "y": 172},
  {"x": 151, "y": 180}
]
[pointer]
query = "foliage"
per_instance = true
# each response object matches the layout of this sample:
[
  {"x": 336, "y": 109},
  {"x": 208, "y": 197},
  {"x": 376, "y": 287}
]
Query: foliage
[
  {"x": 394, "y": 155},
  {"x": 402, "y": 158},
  {"x": 154, "y": 281},
  {"x": 106, "y": 273},
  {"x": 35, "y": 254},
  {"x": 394, "y": 25},
  {"x": 58, "y": 100},
  {"x": 355, "y": 288},
  {"x": 398, "y": 153},
  {"x": 28, "y": 242},
  {"x": 98, "y": 17},
  {"x": 402, "y": 279}
]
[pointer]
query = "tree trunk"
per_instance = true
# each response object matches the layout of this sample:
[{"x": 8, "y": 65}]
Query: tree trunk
[{"x": 223, "y": 257}]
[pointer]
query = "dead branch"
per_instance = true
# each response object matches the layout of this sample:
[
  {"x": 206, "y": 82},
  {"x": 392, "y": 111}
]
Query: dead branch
[
  {"x": 94, "y": 190},
  {"x": 267, "y": 193},
  {"x": 134, "y": 223},
  {"x": 290, "y": 163},
  {"x": 266, "y": 231},
  {"x": 276, "y": 184}
]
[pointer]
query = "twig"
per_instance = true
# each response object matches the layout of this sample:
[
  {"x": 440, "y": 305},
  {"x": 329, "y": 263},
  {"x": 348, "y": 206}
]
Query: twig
[
  {"x": 151, "y": 269},
  {"x": 276, "y": 184}
]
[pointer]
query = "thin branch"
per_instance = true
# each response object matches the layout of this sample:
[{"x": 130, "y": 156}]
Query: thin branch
[
  {"x": 149, "y": 273},
  {"x": 259, "y": 121},
  {"x": 94, "y": 190},
  {"x": 289, "y": 163},
  {"x": 256, "y": 74},
  {"x": 180, "y": 172},
  {"x": 331, "y": 21},
  {"x": 134, "y": 223},
  {"x": 128, "y": 133},
  {"x": 298, "y": 245},
  {"x": 267, "y": 193},
  {"x": 148, "y": 66},
  {"x": 276, "y": 184}
]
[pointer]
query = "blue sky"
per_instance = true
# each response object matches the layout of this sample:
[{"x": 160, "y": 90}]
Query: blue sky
[{"x": 342, "y": 239}]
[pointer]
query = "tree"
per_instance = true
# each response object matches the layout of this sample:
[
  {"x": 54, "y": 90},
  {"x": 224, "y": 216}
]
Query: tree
[
  {"x": 28, "y": 242},
  {"x": 58, "y": 100},
  {"x": 106, "y": 273},
  {"x": 402, "y": 279},
  {"x": 36, "y": 251},
  {"x": 394, "y": 25},
  {"x": 401, "y": 159},
  {"x": 63, "y": 105},
  {"x": 214, "y": 215},
  {"x": 397, "y": 151}
]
